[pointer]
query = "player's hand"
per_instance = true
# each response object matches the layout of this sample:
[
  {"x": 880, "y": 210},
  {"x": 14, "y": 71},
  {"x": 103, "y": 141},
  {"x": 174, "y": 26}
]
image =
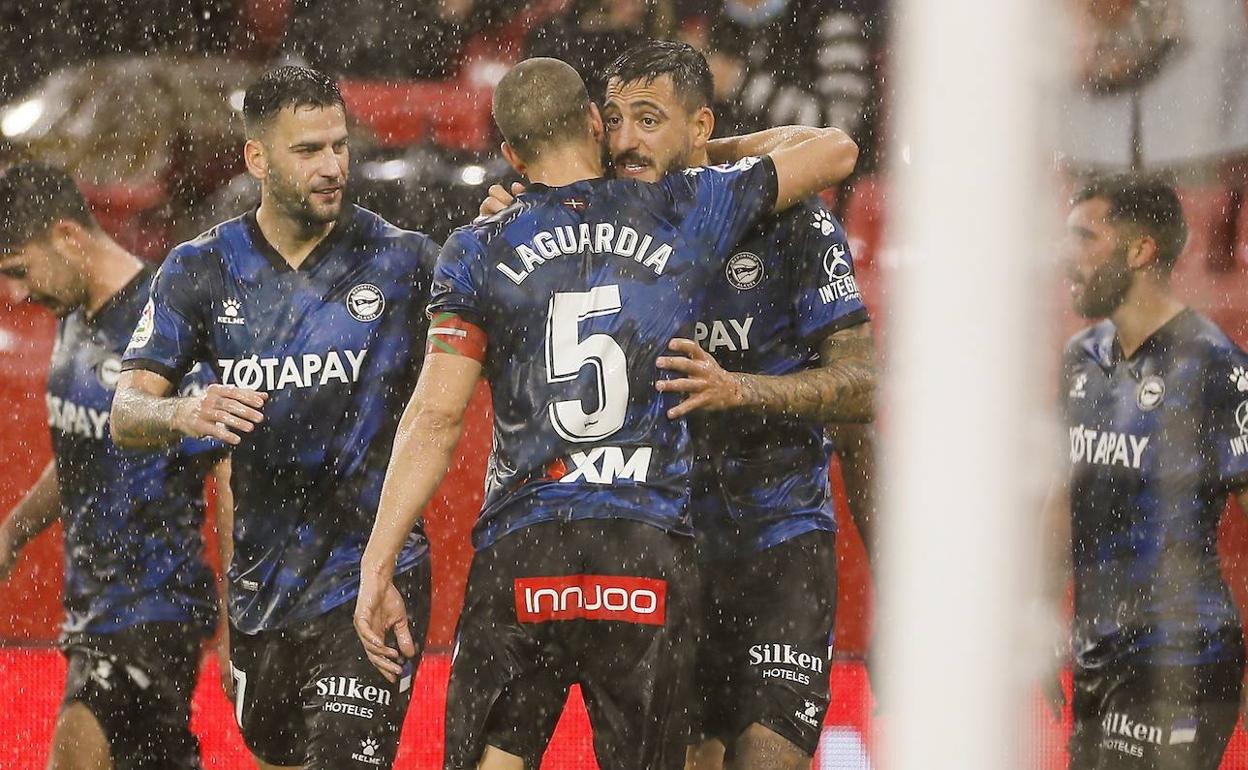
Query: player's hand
[
  {"x": 498, "y": 199},
  {"x": 220, "y": 412},
  {"x": 379, "y": 610},
  {"x": 708, "y": 384},
  {"x": 223, "y": 662}
]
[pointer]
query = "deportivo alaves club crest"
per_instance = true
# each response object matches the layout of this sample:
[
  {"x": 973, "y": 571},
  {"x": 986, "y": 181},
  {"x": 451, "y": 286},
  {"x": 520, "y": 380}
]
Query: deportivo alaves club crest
[
  {"x": 1152, "y": 391},
  {"x": 365, "y": 302},
  {"x": 744, "y": 270}
]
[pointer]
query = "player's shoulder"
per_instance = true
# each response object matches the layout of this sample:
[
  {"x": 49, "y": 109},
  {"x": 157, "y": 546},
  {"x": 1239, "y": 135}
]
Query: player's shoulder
[
  {"x": 209, "y": 247},
  {"x": 1092, "y": 343},
  {"x": 809, "y": 217},
  {"x": 1203, "y": 338},
  {"x": 382, "y": 233}
]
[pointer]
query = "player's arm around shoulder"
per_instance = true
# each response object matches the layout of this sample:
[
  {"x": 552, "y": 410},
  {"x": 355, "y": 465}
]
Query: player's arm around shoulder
[{"x": 811, "y": 165}]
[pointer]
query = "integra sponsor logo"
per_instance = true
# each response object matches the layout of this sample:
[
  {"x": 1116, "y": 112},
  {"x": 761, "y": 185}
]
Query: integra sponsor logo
[
  {"x": 75, "y": 419},
  {"x": 1106, "y": 447},
  {"x": 731, "y": 334},
  {"x": 306, "y": 371},
  {"x": 586, "y": 238},
  {"x": 591, "y": 597},
  {"x": 841, "y": 281}
]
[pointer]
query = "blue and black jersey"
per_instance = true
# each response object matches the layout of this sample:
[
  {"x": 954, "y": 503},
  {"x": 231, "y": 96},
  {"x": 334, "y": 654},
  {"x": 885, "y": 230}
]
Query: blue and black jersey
[
  {"x": 579, "y": 289},
  {"x": 133, "y": 549},
  {"x": 337, "y": 345},
  {"x": 787, "y": 285},
  {"x": 1157, "y": 442}
]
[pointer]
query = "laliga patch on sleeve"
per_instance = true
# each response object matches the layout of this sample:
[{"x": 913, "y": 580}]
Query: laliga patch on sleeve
[{"x": 147, "y": 324}]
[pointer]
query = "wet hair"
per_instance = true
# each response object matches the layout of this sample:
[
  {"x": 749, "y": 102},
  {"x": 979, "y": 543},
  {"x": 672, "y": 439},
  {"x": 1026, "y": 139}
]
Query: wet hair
[
  {"x": 287, "y": 86},
  {"x": 691, "y": 75},
  {"x": 540, "y": 103},
  {"x": 33, "y": 197},
  {"x": 1146, "y": 203}
]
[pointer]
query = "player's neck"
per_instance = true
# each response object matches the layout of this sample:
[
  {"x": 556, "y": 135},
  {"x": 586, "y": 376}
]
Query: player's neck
[
  {"x": 1146, "y": 309},
  {"x": 110, "y": 268},
  {"x": 292, "y": 239},
  {"x": 699, "y": 158},
  {"x": 566, "y": 165}
]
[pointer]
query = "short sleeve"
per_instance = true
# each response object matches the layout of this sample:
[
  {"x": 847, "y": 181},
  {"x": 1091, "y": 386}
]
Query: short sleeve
[
  {"x": 722, "y": 203},
  {"x": 458, "y": 279},
  {"x": 827, "y": 297},
  {"x": 1228, "y": 414},
  {"x": 169, "y": 337}
]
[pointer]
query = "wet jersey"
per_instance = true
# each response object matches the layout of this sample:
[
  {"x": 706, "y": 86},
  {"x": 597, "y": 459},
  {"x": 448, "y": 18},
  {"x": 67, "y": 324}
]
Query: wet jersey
[
  {"x": 337, "y": 345},
  {"x": 788, "y": 285},
  {"x": 1157, "y": 441},
  {"x": 578, "y": 290},
  {"x": 133, "y": 549}
]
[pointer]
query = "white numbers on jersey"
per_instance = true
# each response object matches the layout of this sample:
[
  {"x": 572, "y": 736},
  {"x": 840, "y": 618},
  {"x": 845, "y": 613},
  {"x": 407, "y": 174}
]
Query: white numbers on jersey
[{"x": 567, "y": 355}]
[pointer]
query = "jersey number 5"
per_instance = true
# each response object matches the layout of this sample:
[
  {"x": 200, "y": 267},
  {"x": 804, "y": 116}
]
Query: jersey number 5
[{"x": 567, "y": 355}]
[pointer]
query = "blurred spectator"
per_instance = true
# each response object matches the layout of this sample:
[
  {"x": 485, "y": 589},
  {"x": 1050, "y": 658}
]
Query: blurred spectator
[
  {"x": 592, "y": 33},
  {"x": 1160, "y": 85},
  {"x": 53, "y": 33},
  {"x": 792, "y": 61},
  {"x": 389, "y": 39}
]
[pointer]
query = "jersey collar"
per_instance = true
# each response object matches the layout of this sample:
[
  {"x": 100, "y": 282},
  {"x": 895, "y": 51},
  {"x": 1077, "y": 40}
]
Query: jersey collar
[
  {"x": 341, "y": 230},
  {"x": 1160, "y": 340},
  {"x": 141, "y": 278}
]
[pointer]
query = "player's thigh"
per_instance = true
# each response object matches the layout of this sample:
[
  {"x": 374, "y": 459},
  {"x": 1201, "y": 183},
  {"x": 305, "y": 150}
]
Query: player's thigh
[
  {"x": 508, "y": 680},
  {"x": 636, "y": 670},
  {"x": 354, "y": 715},
  {"x": 1163, "y": 718},
  {"x": 78, "y": 742},
  {"x": 781, "y": 652},
  {"x": 136, "y": 686},
  {"x": 267, "y": 672},
  {"x": 761, "y": 748}
]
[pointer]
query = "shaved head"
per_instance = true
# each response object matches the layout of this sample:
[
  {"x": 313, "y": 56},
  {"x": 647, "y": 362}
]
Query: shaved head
[{"x": 541, "y": 103}]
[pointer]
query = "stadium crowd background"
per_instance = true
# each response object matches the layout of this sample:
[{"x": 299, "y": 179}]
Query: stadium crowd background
[{"x": 142, "y": 107}]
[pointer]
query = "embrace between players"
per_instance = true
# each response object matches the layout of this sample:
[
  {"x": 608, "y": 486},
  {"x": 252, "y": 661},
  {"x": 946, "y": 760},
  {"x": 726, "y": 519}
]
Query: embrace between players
[{"x": 681, "y": 571}]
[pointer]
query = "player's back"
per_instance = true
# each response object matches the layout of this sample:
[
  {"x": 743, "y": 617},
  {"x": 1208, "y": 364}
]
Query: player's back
[{"x": 579, "y": 289}]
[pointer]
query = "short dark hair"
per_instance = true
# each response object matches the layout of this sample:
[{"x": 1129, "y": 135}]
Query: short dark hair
[
  {"x": 1147, "y": 203},
  {"x": 540, "y": 102},
  {"x": 287, "y": 86},
  {"x": 691, "y": 75},
  {"x": 34, "y": 196}
]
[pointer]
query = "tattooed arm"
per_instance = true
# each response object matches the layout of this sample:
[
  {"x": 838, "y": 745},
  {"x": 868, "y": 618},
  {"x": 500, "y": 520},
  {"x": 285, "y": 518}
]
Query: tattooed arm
[
  {"x": 841, "y": 389},
  {"x": 146, "y": 414}
]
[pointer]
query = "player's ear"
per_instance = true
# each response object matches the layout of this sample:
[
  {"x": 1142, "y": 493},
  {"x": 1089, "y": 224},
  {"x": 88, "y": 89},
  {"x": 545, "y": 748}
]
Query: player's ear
[
  {"x": 595, "y": 123},
  {"x": 254, "y": 156},
  {"x": 703, "y": 125},
  {"x": 1142, "y": 253},
  {"x": 68, "y": 237},
  {"x": 514, "y": 159}
]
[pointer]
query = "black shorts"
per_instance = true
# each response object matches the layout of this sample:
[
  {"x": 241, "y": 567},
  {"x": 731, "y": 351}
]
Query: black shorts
[
  {"x": 1132, "y": 717},
  {"x": 764, "y": 646},
  {"x": 311, "y": 698},
  {"x": 606, "y": 604},
  {"x": 137, "y": 683}
]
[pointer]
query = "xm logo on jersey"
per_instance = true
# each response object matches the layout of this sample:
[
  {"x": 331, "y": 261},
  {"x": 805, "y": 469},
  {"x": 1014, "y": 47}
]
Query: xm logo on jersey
[
  {"x": 606, "y": 464},
  {"x": 1106, "y": 447},
  {"x": 621, "y": 598},
  {"x": 305, "y": 371},
  {"x": 785, "y": 661}
]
